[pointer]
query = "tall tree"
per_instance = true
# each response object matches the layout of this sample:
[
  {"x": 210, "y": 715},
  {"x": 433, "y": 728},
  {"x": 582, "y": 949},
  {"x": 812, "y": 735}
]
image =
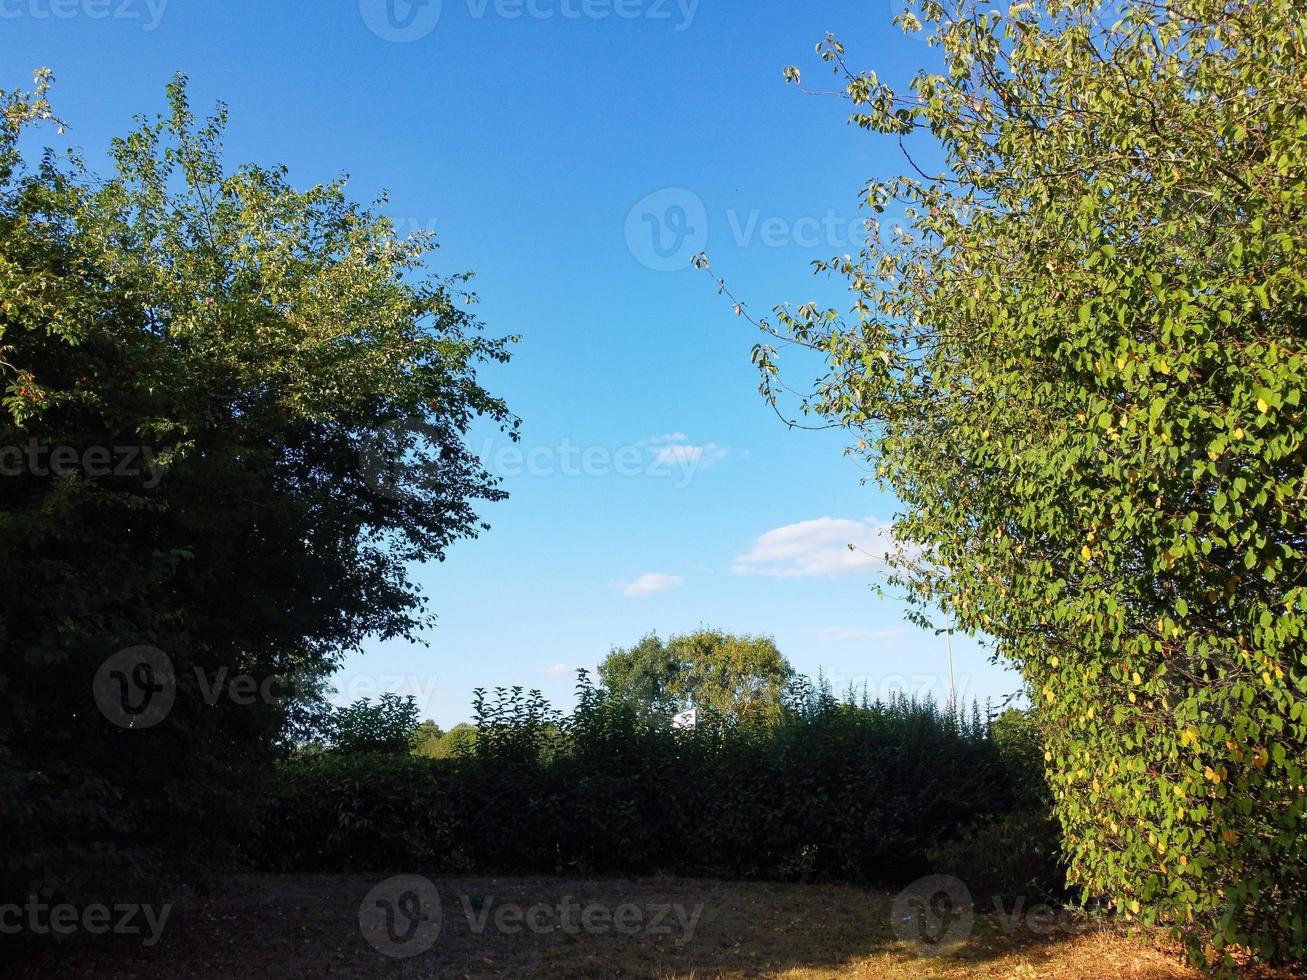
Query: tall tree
[
  {"x": 233, "y": 414},
  {"x": 739, "y": 677},
  {"x": 1081, "y": 370},
  {"x": 644, "y": 675}
]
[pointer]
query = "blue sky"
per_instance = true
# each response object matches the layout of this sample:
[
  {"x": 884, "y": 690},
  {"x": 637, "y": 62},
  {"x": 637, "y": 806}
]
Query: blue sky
[{"x": 575, "y": 153}]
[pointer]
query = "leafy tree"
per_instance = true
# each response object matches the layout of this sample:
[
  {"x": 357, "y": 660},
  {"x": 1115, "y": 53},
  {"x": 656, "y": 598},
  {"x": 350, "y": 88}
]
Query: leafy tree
[
  {"x": 738, "y": 677},
  {"x": 1081, "y": 369},
  {"x": 644, "y": 675},
  {"x": 426, "y": 731},
  {"x": 455, "y": 743},
  {"x": 390, "y": 725},
  {"x": 458, "y": 741},
  {"x": 836, "y": 789},
  {"x": 293, "y": 387}
]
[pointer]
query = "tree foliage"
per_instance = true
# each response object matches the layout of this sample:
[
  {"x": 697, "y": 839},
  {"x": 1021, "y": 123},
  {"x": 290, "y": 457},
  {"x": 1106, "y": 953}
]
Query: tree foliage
[
  {"x": 1081, "y": 368},
  {"x": 840, "y": 789},
  {"x": 389, "y": 725},
  {"x": 458, "y": 741},
  {"x": 248, "y": 343},
  {"x": 739, "y": 677}
]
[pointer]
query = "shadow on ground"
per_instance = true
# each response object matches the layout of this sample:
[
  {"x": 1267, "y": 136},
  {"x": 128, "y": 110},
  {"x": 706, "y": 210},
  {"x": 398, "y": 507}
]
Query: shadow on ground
[{"x": 309, "y": 926}]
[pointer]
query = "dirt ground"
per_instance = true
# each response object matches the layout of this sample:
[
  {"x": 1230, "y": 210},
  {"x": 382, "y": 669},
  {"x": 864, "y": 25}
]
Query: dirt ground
[{"x": 406, "y": 927}]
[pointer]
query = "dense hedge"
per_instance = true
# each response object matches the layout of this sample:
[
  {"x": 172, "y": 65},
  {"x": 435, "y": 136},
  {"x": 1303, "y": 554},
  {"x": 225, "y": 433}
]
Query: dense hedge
[
  {"x": 1077, "y": 360},
  {"x": 834, "y": 790}
]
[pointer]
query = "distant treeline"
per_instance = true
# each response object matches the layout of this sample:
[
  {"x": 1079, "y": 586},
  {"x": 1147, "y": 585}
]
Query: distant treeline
[{"x": 835, "y": 788}]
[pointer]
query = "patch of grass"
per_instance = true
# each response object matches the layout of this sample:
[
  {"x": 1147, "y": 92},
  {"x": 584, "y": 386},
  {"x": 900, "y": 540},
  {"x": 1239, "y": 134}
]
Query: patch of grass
[{"x": 308, "y": 925}]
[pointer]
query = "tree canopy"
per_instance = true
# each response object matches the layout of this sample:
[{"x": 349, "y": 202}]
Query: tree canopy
[
  {"x": 217, "y": 362},
  {"x": 738, "y": 677},
  {"x": 1080, "y": 368}
]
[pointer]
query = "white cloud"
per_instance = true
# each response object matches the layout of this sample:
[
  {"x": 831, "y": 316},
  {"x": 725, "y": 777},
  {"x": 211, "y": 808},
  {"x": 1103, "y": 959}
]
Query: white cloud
[
  {"x": 560, "y": 670},
  {"x": 819, "y": 547},
  {"x": 839, "y": 634},
  {"x": 685, "y": 454},
  {"x": 675, "y": 449},
  {"x": 649, "y": 583},
  {"x": 675, "y": 455},
  {"x": 669, "y": 437}
]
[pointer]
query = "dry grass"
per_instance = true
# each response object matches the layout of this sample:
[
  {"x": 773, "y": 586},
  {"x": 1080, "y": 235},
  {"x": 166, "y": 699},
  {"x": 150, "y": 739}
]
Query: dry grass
[{"x": 308, "y": 926}]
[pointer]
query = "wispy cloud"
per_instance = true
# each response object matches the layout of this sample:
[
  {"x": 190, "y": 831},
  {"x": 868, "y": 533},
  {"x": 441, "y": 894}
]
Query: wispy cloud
[
  {"x": 561, "y": 670},
  {"x": 649, "y": 583},
  {"x": 665, "y": 439},
  {"x": 687, "y": 455},
  {"x": 674, "y": 449},
  {"x": 819, "y": 547}
]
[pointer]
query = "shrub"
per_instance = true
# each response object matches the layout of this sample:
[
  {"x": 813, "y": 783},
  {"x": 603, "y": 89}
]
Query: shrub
[
  {"x": 390, "y": 725},
  {"x": 1078, "y": 359},
  {"x": 281, "y": 364},
  {"x": 356, "y": 812},
  {"x": 1013, "y": 854},
  {"x": 834, "y": 789}
]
